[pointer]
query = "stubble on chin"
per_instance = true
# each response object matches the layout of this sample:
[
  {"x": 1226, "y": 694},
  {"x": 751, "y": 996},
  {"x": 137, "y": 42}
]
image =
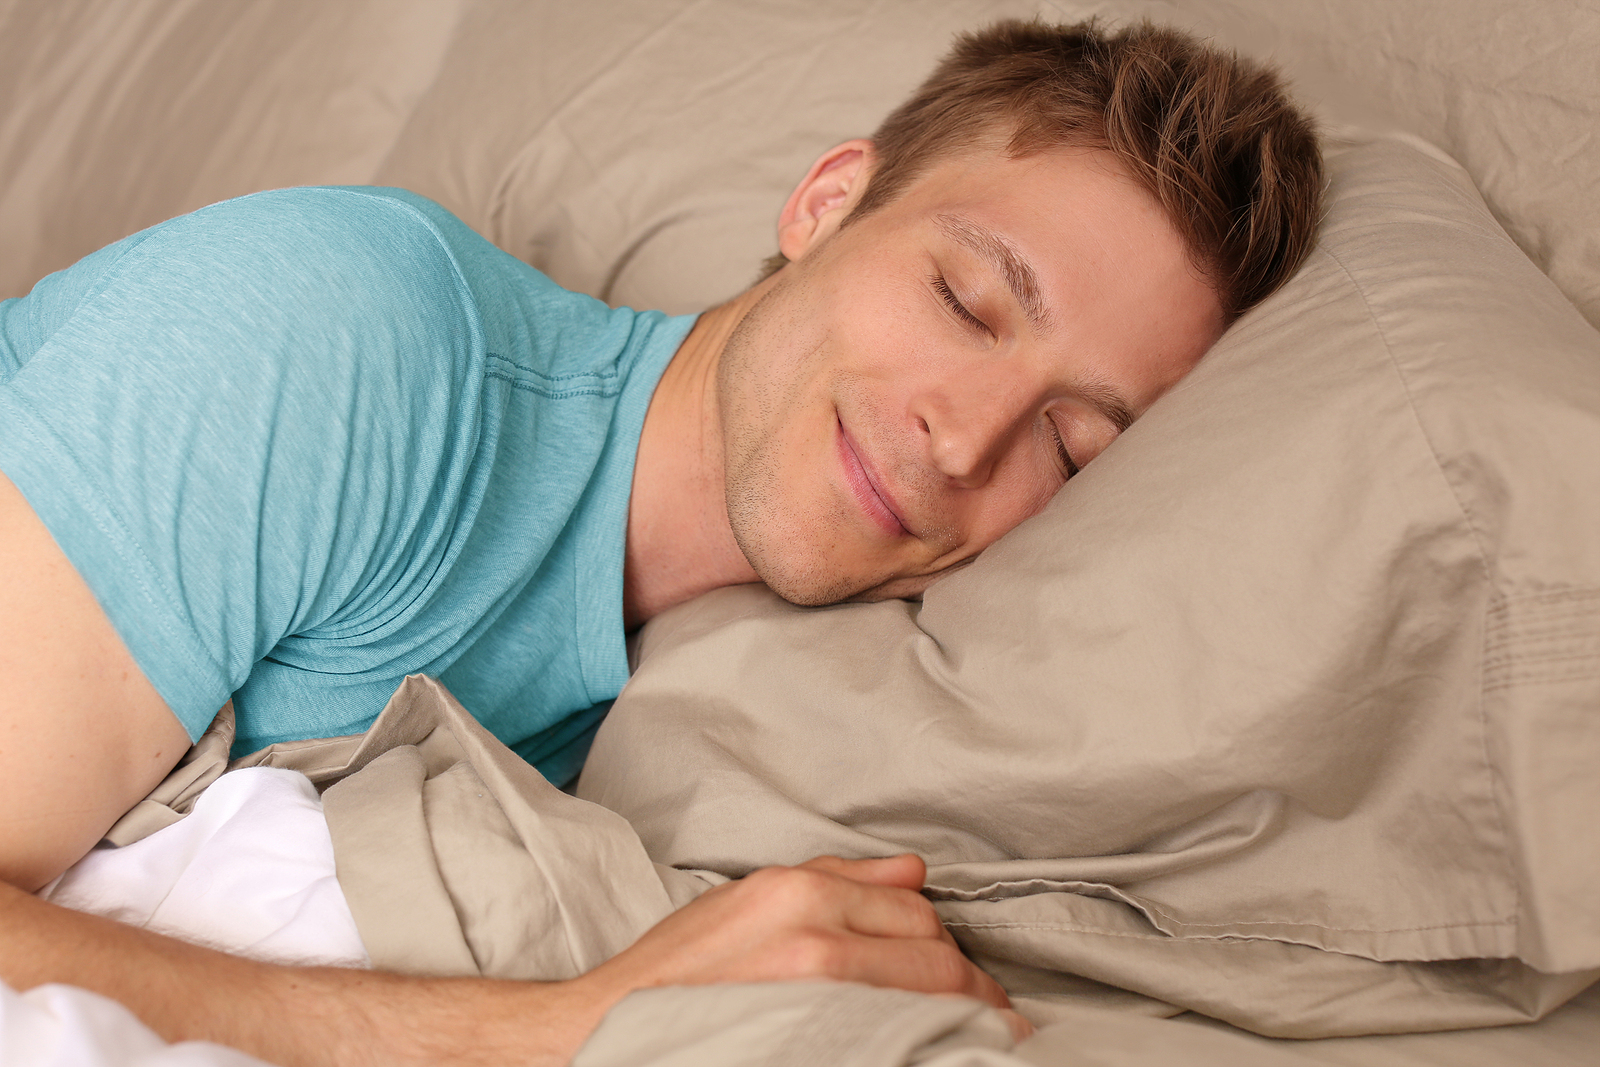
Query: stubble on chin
[{"x": 788, "y": 550}]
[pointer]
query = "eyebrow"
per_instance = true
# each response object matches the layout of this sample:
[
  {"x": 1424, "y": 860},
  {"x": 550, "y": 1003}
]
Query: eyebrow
[
  {"x": 1108, "y": 402},
  {"x": 1024, "y": 285},
  {"x": 1007, "y": 262}
]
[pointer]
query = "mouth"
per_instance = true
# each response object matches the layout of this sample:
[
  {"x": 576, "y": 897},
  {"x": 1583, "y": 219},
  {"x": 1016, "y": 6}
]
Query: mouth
[{"x": 868, "y": 491}]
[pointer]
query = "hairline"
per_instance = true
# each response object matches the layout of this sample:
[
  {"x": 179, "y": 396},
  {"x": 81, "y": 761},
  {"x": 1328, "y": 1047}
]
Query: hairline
[{"x": 1000, "y": 134}]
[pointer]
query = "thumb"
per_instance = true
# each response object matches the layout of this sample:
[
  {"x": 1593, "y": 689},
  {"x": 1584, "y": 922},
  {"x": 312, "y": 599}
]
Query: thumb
[{"x": 905, "y": 871}]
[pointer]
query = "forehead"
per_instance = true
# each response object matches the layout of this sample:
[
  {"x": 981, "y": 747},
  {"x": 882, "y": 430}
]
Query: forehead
[
  {"x": 1103, "y": 267},
  {"x": 1086, "y": 195}
]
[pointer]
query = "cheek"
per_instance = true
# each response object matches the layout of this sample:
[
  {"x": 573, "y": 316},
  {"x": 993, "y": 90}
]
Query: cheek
[
  {"x": 1021, "y": 488},
  {"x": 877, "y": 322}
]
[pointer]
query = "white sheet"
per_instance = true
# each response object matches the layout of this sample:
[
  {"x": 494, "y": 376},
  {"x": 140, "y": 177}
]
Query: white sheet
[
  {"x": 250, "y": 871},
  {"x": 63, "y": 1026}
]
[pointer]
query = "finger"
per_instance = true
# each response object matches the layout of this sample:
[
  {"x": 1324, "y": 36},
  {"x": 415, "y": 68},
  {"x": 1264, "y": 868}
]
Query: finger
[
  {"x": 905, "y": 871},
  {"x": 816, "y": 888},
  {"x": 883, "y": 911},
  {"x": 813, "y": 895},
  {"x": 920, "y": 965},
  {"x": 983, "y": 987},
  {"x": 1021, "y": 1029}
]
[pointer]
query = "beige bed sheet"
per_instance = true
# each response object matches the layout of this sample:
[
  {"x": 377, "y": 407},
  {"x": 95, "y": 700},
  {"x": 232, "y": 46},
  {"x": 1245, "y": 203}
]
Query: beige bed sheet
[
  {"x": 458, "y": 859},
  {"x": 811, "y": 1026}
]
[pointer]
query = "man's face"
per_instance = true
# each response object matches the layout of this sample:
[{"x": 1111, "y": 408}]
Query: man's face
[{"x": 922, "y": 380}]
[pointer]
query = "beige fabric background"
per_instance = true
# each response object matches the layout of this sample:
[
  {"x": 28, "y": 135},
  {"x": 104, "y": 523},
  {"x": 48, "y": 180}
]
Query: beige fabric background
[
  {"x": 117, "y": 114},
  {"x": 640, "y": 149}
]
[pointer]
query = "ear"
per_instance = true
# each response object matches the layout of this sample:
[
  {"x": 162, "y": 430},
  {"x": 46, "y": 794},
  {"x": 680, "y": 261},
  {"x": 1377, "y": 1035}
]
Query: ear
[{"x": 824, "y": 197}]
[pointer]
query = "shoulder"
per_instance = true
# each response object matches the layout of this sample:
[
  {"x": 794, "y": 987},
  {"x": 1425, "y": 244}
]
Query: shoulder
[
  {"x": 313, "y": 265},
  {"x": 320, "y": 231}
]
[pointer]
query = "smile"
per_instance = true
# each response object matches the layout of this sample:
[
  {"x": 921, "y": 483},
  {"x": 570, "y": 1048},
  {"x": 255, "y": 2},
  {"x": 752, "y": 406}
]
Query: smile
[{"x": 873, "y": 500}]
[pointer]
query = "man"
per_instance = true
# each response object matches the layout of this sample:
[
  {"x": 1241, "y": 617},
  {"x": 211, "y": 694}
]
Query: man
[{"x": 291, "y": 448}]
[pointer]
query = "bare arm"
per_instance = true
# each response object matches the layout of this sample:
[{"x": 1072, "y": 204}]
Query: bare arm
[
  {"x": 815, "y": 921},
  {"x": 83, "y": 735}
]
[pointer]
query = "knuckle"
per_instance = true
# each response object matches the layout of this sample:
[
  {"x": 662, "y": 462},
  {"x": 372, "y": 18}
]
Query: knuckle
[
  {"x": 920, "y": 915},
  {"x": 759, "y": 878},
  {"x": 815, "y": 954},
  {"x": 948, "y": 971},
  {"x": 795, "y": 888}
]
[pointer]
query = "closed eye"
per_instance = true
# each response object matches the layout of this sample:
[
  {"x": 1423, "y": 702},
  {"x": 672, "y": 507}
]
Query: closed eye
[
  {"x": 948, "y": 295},
  {"x": 1061, "y": 450}
]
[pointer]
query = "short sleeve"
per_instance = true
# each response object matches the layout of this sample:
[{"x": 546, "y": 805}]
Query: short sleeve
[{"x": 249, "y": 426}]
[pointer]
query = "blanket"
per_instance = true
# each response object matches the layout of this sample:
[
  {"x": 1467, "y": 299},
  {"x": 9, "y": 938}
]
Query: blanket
[{"x": 457, "y": 858}]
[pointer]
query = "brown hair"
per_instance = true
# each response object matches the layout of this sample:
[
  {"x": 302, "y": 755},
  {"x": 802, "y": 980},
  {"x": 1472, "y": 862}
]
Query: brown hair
[{"x": 1212, "y": 136}]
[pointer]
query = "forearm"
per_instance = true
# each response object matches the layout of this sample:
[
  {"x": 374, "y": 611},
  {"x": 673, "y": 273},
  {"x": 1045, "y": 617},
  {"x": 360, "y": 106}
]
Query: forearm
[
  {"x": 859, "y": 921},
  {"x": 294, "y": 1015}
]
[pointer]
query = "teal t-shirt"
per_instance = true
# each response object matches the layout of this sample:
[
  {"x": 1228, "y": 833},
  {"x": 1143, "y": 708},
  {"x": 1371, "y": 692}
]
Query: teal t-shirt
[{"x": 304, "y": 443}]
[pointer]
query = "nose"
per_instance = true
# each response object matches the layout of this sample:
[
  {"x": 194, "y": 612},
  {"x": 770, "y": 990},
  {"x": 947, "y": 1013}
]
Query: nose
[{"x": 971, "y": 426}]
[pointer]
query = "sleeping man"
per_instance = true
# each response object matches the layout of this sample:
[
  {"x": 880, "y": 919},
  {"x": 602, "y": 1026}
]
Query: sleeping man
[{"x": 288, "y": 449}]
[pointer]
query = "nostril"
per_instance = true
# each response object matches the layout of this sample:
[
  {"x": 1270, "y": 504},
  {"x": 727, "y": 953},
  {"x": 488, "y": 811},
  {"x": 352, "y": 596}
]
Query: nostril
[{"x": 925, "y": 427}]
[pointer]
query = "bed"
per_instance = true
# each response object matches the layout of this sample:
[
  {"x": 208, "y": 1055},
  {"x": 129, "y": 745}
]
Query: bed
[{"x": 1272, "y": 741}]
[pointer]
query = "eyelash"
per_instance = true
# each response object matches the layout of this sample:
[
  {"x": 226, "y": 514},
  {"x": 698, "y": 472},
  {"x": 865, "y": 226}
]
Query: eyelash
[
  {"x": 1061, "y": 450},
  {"x": 948, "y": 295}
]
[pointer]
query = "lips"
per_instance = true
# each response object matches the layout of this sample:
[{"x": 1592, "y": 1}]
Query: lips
[{"x": 873, "y": 499}]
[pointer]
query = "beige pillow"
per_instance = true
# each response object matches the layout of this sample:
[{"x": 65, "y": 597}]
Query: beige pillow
[
  {"x": 1507, "y": 87},
  {"x": 1311, "y": 655},
  {"x": 640, "y": 151}
]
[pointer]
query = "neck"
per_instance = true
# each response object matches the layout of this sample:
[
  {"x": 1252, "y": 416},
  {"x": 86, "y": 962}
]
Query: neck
[{"x": 679, "y": 542}]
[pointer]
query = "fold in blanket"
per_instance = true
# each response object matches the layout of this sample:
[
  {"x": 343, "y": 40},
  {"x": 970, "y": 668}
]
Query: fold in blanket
[{"x": 456, "y": 856}]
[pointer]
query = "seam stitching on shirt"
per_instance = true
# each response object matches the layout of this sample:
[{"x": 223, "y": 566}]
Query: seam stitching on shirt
[
  {"x": 602, "y": 375},
  {"x": 517, "y": 382}
]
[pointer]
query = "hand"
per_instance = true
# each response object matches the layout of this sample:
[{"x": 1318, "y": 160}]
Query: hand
[{"x": 848, "y": 920}]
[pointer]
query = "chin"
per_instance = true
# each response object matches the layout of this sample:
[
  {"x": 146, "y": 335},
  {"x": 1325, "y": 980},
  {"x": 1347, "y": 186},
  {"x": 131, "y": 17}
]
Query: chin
[
  {"x": 809, "y": 583},
  {"x": 893, "y": 591},
  {"x": 811, "y": 592},
  {"x": 802, "y": 560},
  {"x": 814, "y": 588}
]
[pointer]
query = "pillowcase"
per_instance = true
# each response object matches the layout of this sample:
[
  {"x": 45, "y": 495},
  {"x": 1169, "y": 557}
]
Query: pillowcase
[{"x": 1311, "y": 655}]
